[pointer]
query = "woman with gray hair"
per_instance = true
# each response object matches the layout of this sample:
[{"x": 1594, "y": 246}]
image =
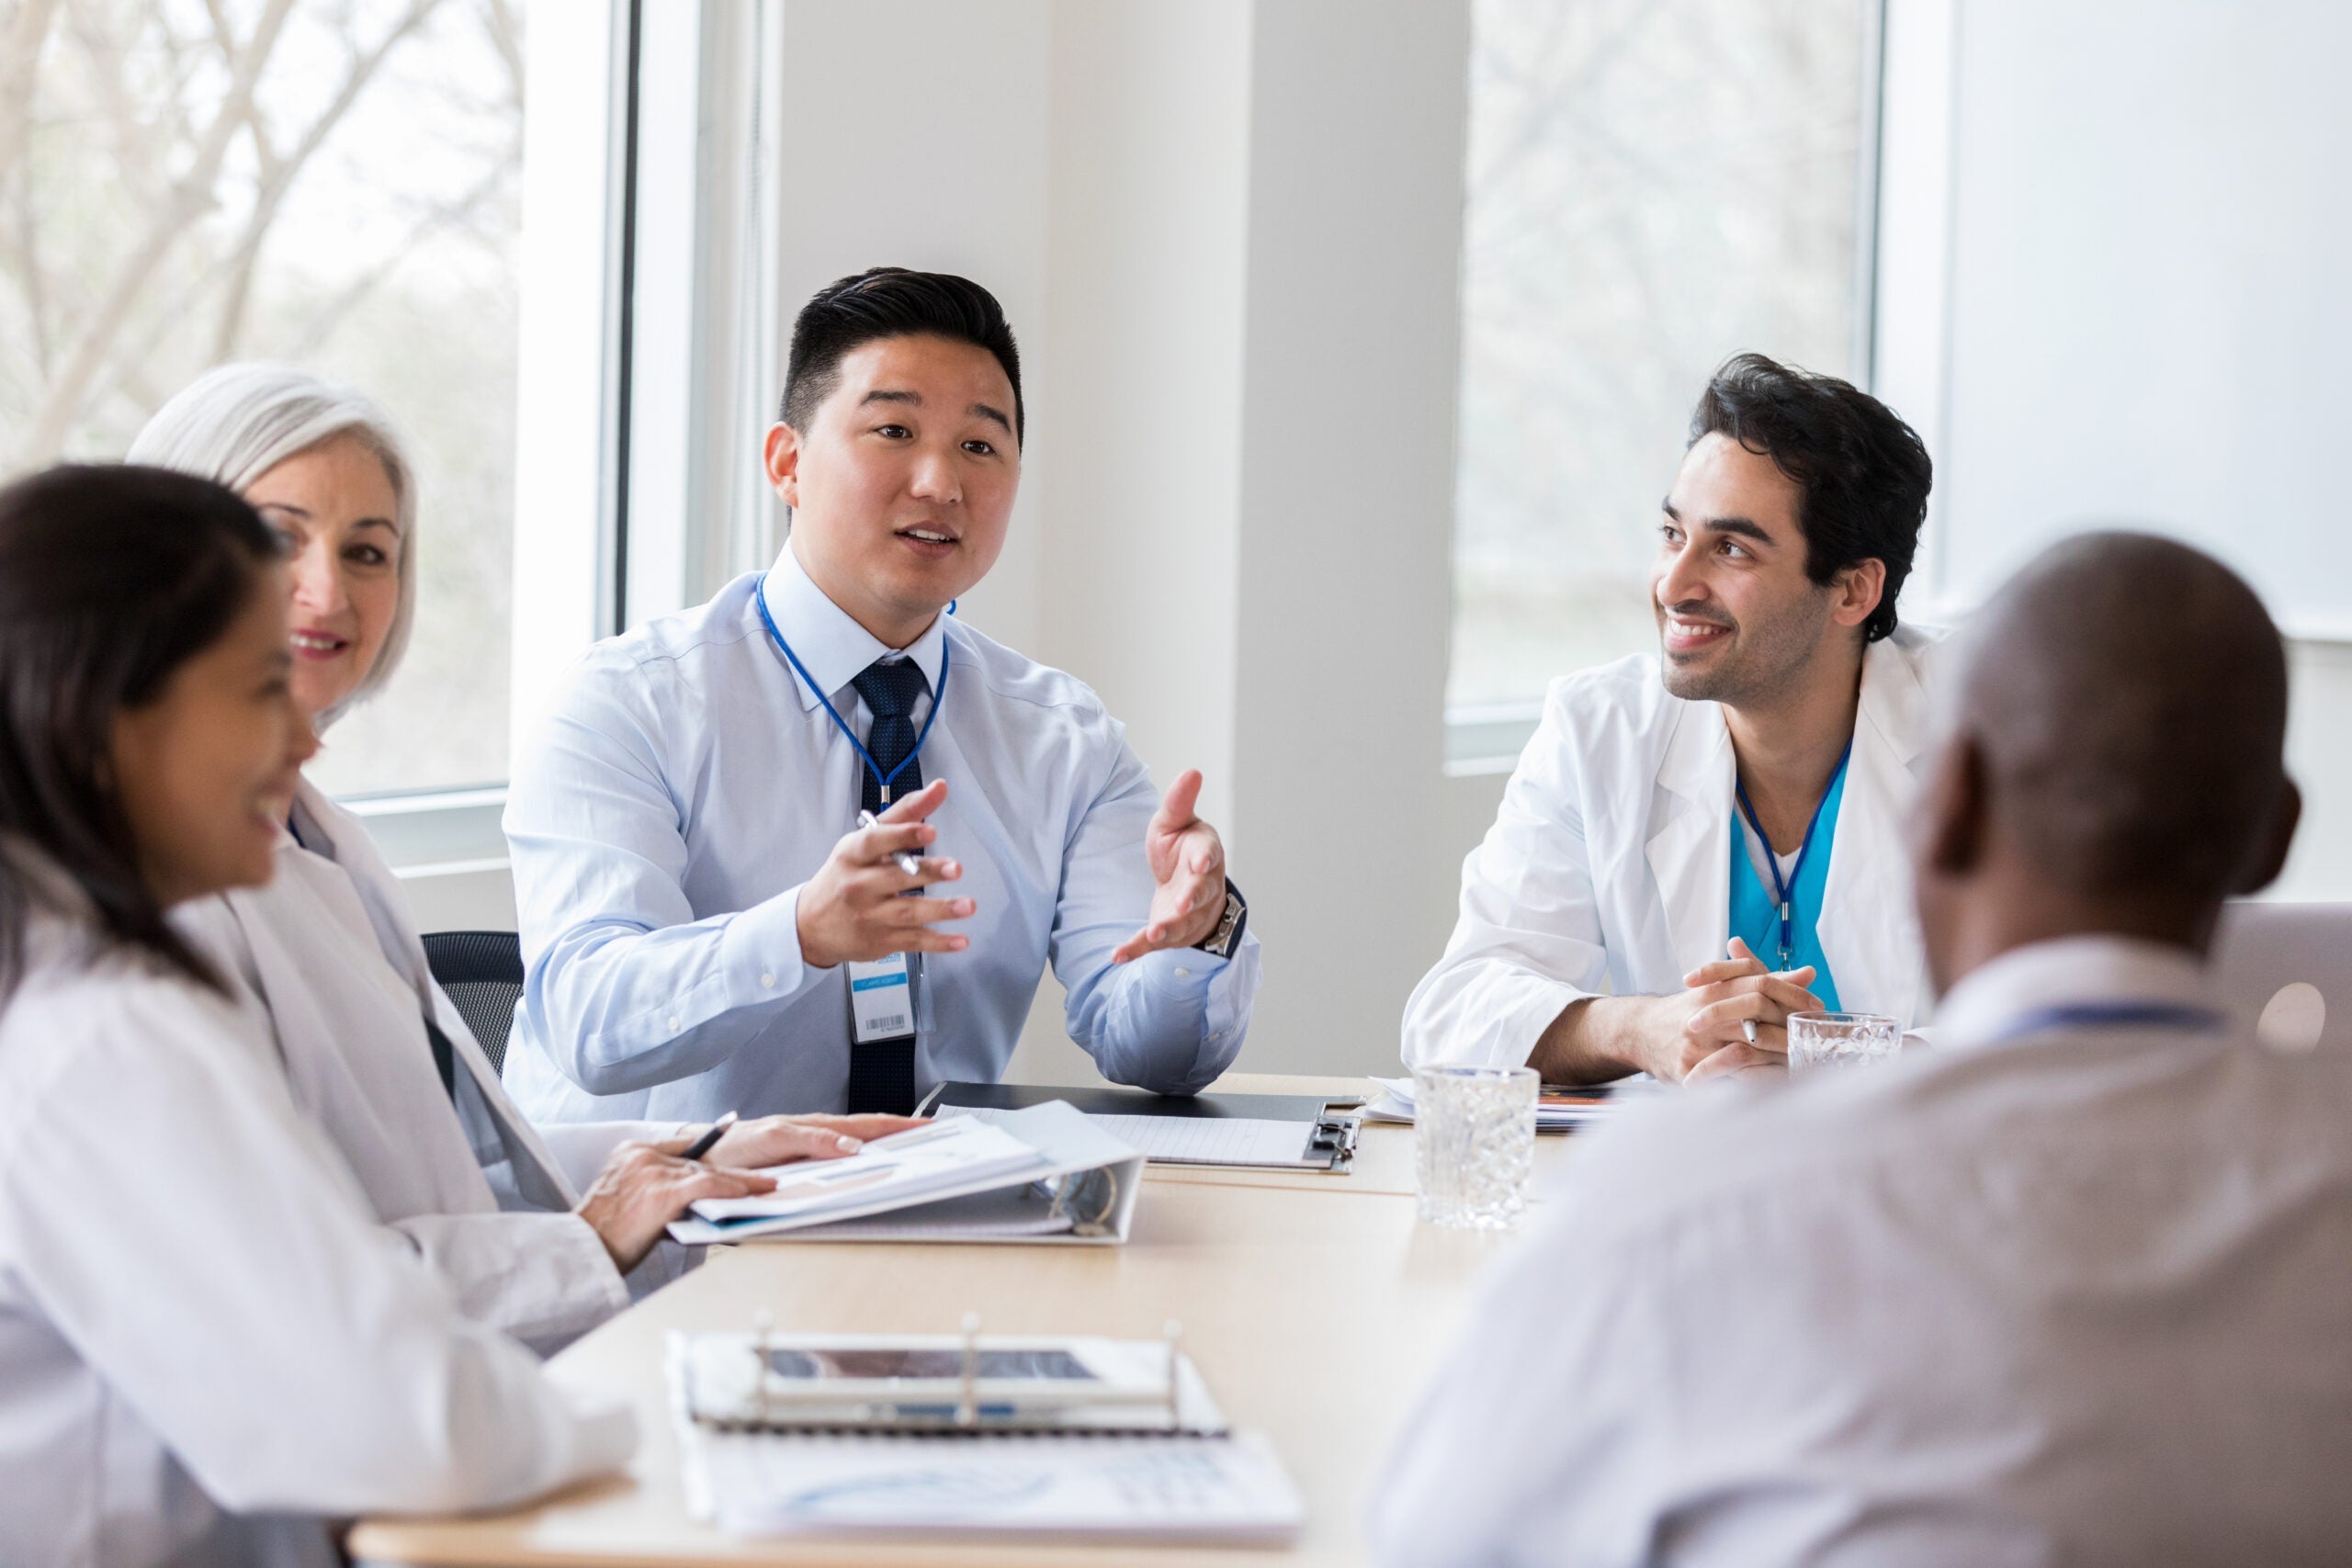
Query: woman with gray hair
[{"x": 329, "y": 954}]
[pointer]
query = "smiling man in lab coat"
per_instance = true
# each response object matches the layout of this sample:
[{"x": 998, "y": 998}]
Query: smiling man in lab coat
[{"x": 1711, "y": 836}]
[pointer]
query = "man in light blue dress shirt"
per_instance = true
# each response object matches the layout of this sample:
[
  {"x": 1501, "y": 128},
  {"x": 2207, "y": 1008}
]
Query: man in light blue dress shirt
[{"x": 697, "y": 895}]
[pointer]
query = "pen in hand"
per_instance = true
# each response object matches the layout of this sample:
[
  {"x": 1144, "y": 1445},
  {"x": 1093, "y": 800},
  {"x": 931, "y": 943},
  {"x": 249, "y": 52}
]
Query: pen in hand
[
  {"x": 906, "y": 862},
  {"x": 709, "y": 1140}
]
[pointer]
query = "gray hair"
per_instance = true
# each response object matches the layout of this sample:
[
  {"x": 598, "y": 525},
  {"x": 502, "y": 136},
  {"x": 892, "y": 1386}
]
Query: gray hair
[{"x": 234, "y": 423}]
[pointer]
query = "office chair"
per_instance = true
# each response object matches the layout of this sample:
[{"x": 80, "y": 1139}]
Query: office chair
[
  {"x": 2286, "y": 971},
  {"x": 482, "y": 972}
]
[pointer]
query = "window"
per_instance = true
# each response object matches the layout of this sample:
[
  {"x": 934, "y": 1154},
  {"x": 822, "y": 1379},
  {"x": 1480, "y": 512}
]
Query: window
[
  {"x": 1654, "y": 186},
  {"x": 332, "y": 184}
]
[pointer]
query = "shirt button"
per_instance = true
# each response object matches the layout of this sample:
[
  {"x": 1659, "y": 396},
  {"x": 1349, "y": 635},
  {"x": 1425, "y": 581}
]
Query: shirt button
[
  {"x": 674, "y": 1020},
  {"x": 767, "y": 980},
  {"x": 1183, "y": 974}
]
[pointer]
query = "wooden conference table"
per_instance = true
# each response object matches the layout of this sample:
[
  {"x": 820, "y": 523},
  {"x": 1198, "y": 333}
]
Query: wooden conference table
[{"x": 1315, "y": 1305}]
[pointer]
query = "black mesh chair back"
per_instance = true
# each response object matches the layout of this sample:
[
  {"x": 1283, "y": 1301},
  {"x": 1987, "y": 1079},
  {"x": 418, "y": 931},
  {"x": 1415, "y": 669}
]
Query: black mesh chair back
[{"x": 482, "y": 972}]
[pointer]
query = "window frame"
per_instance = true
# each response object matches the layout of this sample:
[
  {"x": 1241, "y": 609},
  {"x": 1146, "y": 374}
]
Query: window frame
[{"x": 680, "y": 207}]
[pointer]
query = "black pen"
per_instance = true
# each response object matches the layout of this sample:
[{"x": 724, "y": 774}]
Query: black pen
[{"x": 709, "y": 1140}]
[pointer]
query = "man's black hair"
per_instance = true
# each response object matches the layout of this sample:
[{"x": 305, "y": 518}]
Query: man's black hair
[
  {"x": 1863, "y": 473},
  {"x": 886, "y": 302}
]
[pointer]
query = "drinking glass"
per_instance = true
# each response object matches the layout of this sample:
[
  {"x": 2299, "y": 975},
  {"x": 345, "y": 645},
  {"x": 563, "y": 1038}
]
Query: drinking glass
[
  {"x": 1474, "y": 1144},
  {"x": 1841, "y": 1040}
]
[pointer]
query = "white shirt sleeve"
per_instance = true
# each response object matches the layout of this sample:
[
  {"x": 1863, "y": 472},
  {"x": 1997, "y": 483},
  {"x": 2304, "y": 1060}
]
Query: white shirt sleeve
[
  {"x": 197, "y": 1241},
  {"x": 625, "y": 987},
  {"x": 1528, "y": 941},
  {"x": 1170, "y": 1022}
]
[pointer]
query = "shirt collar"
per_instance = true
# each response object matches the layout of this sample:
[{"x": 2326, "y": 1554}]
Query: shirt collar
[
  {"x": 832, "y": 646},
  {"x": 2065, "y": 972}
]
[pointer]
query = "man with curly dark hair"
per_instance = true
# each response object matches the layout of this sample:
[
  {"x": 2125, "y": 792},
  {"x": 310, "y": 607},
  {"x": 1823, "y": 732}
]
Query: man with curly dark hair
[{"x": 1700, "y": 842}]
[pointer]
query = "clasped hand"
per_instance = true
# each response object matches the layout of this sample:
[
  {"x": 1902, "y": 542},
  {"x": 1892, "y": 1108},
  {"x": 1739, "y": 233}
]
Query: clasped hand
[{"x": 1718, "y": 1003}]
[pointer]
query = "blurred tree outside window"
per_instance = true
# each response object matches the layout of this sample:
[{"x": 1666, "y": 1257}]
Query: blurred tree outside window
[
  {"x": 1653, "y": 187},
  {"x": 330, "y": 184}
]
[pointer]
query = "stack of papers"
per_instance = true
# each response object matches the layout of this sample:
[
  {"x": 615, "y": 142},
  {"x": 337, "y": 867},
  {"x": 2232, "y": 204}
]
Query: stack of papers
[
  {"x": 1558, "y": 1109},
  {"x": 1222, "y": 1489},
  {"x": 887, "y": 1173},
  {"x": 1283, "y": 1132},
  {"x": 1040, "y": 1174},
  {"x": 1208, "y": 1140}
]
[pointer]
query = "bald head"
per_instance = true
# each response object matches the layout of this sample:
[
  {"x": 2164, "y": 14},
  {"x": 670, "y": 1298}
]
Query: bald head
[{"x": 2115, "y": 760}]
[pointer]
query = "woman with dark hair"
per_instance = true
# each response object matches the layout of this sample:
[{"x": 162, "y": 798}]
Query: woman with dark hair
[{"x": 208, "y": 1346}]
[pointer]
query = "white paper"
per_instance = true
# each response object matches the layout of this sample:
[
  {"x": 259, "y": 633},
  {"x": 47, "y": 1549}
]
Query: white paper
[
  {"x": 1395, "y": 1104},
  {"x": 1191, "y": 1140},
  {"x": 1058, "y": 1142},
  {"x": 1224, "y": 1488},
  {"x": 894, "y": 1172}
]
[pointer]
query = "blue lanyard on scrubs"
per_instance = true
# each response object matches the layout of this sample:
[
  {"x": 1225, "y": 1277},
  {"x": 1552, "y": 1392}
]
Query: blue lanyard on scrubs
[
  {"x": 1781, "y": 886},
  {"x": 938, "y": 700}
]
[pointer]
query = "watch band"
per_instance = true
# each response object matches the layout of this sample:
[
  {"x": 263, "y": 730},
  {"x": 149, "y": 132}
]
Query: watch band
[{"x": 1224, "y": 941}]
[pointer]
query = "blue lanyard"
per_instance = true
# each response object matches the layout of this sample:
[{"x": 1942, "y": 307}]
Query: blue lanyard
[
  {"x": 2111, "y": 1015},
  {"x": 1780, "y": 886},
  {"x": 938, "y": 699}
]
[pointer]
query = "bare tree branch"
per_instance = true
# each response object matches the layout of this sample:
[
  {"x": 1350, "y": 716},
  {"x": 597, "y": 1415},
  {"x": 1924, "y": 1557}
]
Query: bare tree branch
[
  {"x": 278, "y": 173},
  {"x": 505, "y": 30},
  {"x": 187, "y": 202},
  {"x": 445, "y": 215},
  {"x": 20, "y": 50}
]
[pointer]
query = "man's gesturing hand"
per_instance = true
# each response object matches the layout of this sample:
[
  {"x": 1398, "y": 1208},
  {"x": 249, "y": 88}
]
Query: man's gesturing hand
[
  {"x": 1188, "y": 862},
  {"x": 851, "y": 908}
]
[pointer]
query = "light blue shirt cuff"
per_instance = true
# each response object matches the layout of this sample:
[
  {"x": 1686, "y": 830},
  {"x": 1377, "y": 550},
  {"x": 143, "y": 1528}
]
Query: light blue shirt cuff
[{"x": 759, "y": 957}]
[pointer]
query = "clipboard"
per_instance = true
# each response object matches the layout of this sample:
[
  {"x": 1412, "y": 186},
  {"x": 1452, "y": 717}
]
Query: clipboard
[{"x": 1283, "y": 1132}]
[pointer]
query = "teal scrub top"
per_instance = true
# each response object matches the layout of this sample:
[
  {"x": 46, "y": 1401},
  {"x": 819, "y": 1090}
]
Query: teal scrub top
[{"x": 1755, "y": 918}]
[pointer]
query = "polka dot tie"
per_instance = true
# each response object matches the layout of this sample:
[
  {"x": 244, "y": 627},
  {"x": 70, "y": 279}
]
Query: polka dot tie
[
  {"x": 882, "y": 1072},
  {"x": 890, "y": 690}
]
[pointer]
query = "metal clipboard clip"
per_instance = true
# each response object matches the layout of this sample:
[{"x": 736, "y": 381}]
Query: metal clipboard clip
[{"x": 1335, "y": 1136}]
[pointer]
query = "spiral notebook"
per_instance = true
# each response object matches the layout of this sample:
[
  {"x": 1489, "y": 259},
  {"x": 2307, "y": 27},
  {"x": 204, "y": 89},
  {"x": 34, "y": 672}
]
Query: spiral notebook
[{"x": 1200, "y": 1481}]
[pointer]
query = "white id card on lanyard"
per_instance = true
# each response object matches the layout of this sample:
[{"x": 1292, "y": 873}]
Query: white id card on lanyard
[{"x": 881, "y": 999}]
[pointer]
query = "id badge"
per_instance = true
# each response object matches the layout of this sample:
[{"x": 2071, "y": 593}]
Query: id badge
[{"x": 881, "y": 999}]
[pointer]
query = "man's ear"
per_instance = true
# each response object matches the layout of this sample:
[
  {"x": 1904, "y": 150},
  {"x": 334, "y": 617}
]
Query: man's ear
[
  {"x": 1859, "y": 587},
  {"x": 1953, "y": 816},
  {"x": 2264, "y": 868},
  {"x": 781, "y": 456}
]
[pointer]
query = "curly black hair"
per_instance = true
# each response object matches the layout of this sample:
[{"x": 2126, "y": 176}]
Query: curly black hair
[{"x": 1863, "y": 472}]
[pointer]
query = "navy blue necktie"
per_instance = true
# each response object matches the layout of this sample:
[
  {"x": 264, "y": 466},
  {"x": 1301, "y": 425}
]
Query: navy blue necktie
[
  {"x": 890, "y": 690},
  {"x": 882, "y": 1072}
]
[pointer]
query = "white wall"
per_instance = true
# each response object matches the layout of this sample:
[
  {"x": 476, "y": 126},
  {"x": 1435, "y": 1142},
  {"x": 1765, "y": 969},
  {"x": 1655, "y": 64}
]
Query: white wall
[
  {"x": 1358, "y": 113},
  {"x": 2109, "y": 292},
  {"x": 1226, "y": 232}
]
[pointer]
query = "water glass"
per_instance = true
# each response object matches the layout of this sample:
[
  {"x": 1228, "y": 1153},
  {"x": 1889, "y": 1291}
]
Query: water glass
[
  {"x": 1474, "y": 1144},
  {"x": 1841, "y": 1040}
]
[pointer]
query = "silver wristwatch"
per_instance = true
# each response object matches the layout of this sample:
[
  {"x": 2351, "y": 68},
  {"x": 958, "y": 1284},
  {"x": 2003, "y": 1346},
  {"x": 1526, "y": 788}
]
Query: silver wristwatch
[{"x": 1221, "y": 941}]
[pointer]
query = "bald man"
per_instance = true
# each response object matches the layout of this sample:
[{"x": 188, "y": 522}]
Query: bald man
[{"x": 2075, "y": 1287}]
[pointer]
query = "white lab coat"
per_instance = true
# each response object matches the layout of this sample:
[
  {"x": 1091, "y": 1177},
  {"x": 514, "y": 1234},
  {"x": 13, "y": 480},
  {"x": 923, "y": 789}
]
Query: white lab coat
[
  {"x": 328, "y": 956},
  {"x": 1609, "y": 866},
  {"x": 208, "y": 1345}
]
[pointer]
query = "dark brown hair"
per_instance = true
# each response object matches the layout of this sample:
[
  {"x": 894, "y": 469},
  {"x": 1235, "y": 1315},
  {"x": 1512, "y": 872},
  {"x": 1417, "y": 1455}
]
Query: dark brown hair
[
  {"x": 1864, "y": 473},
  {"x": 111, "y": 578}
]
